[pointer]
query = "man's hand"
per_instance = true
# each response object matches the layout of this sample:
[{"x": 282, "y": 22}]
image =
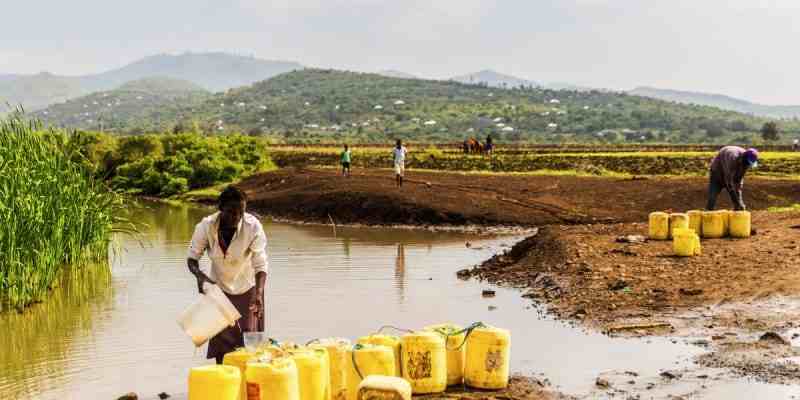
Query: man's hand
[
  {"x": 257, "y": 301},
  {"x": 194, "y": 268},
  {"x": 202, "y": 277}
]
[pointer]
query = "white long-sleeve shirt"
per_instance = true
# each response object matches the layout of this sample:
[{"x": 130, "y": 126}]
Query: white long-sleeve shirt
[{"x": 234, "y": 270}]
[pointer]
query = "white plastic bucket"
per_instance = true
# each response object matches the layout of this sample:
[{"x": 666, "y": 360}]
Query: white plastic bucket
[{"x": 208, "y": 316}]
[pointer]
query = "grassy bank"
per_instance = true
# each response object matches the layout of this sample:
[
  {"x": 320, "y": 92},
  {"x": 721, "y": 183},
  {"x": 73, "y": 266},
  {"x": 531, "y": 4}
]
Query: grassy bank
[
  {"x": 784, "y": 164},
  {"x": 54, "y": 212}
]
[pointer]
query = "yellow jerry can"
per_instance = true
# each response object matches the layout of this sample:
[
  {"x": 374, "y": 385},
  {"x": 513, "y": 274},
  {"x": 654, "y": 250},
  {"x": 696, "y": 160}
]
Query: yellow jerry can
[
  {"x": 659, "y": 226},
  {"x": 391, "y": 341},
  {"x": 685, "y": 243},
  {"x": 338, "y": 363},
  {"x": 713, "y": 225},
  {"x": 488, "y": 352},
  {"x": 678, "y": 221},
  {"x": 364, "y": 360},
  {"x": 455, "y": 344},
  {"x": 239, "y": 359},
  {"x": 696, "y": 221},
  {"x": 313, "y": 372},
  {"x": 276, "y": 379},
  {"x": 740, "y": 226},
  {"x": 377, "y": 387},
  {"x": 214, "y": 382},
  {"x": 424, "y": 362}
]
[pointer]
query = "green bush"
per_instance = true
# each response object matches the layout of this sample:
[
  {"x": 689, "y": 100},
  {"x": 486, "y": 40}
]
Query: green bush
[{"x": 169, "y": 164}]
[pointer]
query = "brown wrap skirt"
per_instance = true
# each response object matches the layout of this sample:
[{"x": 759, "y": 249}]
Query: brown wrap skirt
[{"x": 231, "y": 338}]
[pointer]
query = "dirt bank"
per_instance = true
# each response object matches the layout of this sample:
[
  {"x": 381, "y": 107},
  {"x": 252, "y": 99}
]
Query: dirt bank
[
  {"x": 440, "y": 198},
  {"x": 584, "y": 272}
]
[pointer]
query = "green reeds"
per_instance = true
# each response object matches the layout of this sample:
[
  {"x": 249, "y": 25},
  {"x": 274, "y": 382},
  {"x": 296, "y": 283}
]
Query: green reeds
[{"x": 53, "y": 212}]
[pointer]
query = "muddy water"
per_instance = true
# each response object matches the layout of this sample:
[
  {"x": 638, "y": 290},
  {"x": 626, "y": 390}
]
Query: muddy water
[{"x": 105, "y": 334}]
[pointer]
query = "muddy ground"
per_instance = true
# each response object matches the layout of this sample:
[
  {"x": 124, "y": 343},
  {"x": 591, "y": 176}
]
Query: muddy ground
[
  {"x": 577, "y": 268},
  {"x": 441, "y": 198}
]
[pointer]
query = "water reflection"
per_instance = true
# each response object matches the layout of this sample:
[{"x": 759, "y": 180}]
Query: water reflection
[
  {"x": 400, "y": 272},
  {"x": 32, "y": 342}
]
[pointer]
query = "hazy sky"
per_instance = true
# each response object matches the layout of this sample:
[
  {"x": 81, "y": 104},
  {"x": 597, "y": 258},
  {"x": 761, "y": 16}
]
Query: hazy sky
[{"x": 744, "y": 48}]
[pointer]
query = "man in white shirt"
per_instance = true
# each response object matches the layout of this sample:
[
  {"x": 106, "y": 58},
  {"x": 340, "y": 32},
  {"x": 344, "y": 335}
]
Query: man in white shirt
[
  {"x": 399, "y": 162},
  {"x": 237, "y": 247}
]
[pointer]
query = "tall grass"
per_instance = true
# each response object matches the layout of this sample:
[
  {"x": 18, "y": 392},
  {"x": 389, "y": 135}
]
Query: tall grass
[{"x": 53, "y": 212}]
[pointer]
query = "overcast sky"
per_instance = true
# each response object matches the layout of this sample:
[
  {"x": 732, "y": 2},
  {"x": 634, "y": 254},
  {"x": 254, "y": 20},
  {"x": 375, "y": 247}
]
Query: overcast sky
[{"x": 744, "y": 48}]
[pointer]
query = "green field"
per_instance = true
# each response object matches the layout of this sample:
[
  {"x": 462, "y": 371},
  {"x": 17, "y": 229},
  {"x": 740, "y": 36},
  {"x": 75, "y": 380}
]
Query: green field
[{"x": 676, "y": 162}]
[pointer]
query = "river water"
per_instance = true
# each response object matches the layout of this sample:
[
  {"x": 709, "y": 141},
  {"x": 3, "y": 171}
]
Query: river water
[{"x": 103, "y": 334}]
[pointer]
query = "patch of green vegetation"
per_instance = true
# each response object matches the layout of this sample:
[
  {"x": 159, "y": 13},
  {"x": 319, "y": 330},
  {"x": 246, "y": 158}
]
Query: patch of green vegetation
[
  {"x": 170, "y": 164},
  {"x": 208, "y": 194},
  {"x": 793, "y": 207},
  {"x": 54, "y": 212}
]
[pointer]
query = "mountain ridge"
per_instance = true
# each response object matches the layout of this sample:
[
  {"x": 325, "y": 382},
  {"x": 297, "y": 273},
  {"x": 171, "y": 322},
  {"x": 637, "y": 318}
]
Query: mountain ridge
[
  {"x": 722, "y": 101},
  {"x": 314, "y": 105},
  {"x": 493, "y": 78},
  {"x": 215, "y": 71}
]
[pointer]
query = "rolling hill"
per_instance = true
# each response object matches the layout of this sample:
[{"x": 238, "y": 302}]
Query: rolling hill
[
  {"x": 493, "y": 79},
  {"x": 129, "y": 105},
  {"x": 314, "y": 105},
  {"x": 718, "y": 100},
  {"x": 391, "y": 73},
  {"x": 212, "y": 71}
]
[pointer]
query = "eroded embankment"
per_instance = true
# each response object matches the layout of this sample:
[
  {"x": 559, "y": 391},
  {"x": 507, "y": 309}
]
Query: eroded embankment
[{"x": 591, "y": 272}]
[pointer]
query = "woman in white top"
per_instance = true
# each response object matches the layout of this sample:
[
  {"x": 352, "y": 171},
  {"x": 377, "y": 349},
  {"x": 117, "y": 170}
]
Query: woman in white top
[{"x": 237, "y": 247}]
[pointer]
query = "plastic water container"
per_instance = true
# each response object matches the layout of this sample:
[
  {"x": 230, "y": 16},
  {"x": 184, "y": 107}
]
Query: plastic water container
[
  {"x": 276, "y": 379},
  {"x": 713, "y": 225},
  {"x": 214, "y": 382},
  {"x": 678, "y": 221},
  {"x": 456, "y": 350},
  {"x": 376, "y": 387},
  {"x": 208, "y": 316},
  {"x": 696, "y": 221},
  {"x": 488, "y": 363},
  {"x": 365, "y": 360},
  {"x": 659, "y": 226},
  {"x": 313, "y": 372},
  {"x": 686, "y": 243},
  {"x": 390, "y": 341},
  {"x": 337, "y": 357},
  {"x": 425, "y": 362},
  {"x": 740, "y": 224}
]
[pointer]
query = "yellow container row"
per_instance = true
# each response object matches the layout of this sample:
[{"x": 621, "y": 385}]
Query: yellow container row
[
  {"x": 708, "y": 224},
  {"x": 426, "y": 361}
]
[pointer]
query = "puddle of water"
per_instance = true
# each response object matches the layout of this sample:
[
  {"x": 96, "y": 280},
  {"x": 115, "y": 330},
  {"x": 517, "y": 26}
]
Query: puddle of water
[
  {"x": 121, "y": 337},
  {"x": 745, "y": 389}
]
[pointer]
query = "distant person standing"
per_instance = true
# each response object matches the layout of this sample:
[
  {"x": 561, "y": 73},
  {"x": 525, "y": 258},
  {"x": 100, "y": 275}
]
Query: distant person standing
[
  {"x": 489, "y": 145},
  {"x": 727, "y": 172},
  {"x": 399, "y": 154},
  {"x": 795, "y": 144},
  {"x": 345, "y": 160}
]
